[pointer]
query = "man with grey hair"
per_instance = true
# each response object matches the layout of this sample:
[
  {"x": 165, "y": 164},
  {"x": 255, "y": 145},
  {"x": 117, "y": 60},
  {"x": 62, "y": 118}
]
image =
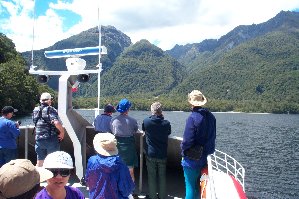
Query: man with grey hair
[
  {"x": 49, "y": 131},
  {"x": 157, "y": 130}
]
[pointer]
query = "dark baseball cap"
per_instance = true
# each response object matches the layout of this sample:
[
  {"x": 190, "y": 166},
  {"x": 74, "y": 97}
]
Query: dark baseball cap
[
  {"x": 109, "y": 108},
  {"x": 9, "y": 109}
]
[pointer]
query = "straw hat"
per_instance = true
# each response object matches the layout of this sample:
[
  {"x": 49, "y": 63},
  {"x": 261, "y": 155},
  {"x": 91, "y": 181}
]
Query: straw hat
[
  {"x": 196, "y": 98},
  {"x": 105, "y": 144}
]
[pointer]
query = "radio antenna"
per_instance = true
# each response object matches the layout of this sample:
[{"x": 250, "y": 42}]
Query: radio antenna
[
  {"x": 33, "y": 35},
  {"x": 100, "y": 64}
]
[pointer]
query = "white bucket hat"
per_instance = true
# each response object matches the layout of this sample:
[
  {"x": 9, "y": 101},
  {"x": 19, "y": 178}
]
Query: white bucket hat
[
  {"x": 105, "y": 144},
  {"x": 196, "y": 98},
  {"x": 58, "y": 160}
]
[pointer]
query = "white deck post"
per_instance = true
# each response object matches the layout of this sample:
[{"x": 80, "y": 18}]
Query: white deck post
[{"x": 64, "y": 111}]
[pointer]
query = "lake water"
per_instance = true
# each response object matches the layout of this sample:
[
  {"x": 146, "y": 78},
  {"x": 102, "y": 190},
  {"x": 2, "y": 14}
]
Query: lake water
[{"x": 267, "y": 145}]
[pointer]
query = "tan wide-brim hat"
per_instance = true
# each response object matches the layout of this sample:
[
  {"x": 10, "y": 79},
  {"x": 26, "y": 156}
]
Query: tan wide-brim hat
[
  {"x": 20, "y": 176},
  {"x": 105, "y": 144},
  {"x": 196, "y": 98}
]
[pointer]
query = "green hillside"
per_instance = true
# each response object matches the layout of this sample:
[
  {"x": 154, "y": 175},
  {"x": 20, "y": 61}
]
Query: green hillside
[
  {"x": 142, "y": 68},
  {"x": 263, "y": 72}
]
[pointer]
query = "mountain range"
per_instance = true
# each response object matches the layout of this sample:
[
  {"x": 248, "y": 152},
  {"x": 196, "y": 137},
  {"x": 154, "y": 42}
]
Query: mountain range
[{"x": 254, "y": 64}]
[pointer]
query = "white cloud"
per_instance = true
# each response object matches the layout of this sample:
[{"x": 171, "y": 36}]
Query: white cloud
[{"x": 165, "y": 23}]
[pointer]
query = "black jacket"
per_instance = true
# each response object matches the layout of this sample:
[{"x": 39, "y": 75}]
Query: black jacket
[{"x": 157, "y": 131}]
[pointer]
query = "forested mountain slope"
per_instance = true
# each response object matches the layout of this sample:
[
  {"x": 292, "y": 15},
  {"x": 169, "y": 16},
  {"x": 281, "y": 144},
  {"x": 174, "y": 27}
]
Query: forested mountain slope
[
  {"x": 142, "y": 68},
  {"x": 253, "y": 73}
]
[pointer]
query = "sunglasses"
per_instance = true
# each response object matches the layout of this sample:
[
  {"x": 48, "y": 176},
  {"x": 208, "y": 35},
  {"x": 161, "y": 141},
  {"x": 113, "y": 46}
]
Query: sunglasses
[{"x": 62, "y": 172}]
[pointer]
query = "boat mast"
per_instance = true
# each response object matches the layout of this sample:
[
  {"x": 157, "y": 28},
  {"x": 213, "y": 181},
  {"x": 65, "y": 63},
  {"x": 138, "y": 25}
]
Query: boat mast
[
  {"x": 97, "y": 112},
  {"x": 33, "y": 32}
]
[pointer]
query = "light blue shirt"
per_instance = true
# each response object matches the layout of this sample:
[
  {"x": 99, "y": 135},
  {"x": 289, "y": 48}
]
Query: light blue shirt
[{"x": 124, "y": 126}]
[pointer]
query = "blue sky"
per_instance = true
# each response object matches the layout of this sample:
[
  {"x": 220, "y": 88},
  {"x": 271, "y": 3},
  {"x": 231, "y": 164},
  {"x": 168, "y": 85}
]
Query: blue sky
[{"x": 164, "y": 23}]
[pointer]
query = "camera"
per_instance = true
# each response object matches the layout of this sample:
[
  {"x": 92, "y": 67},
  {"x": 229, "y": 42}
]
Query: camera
[{"x": 19, "y": 122}]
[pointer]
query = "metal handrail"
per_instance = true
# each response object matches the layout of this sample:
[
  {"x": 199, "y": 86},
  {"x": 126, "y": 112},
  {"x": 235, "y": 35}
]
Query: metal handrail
[
  {"x": 220, "y": 161},
  {"x": 141, "y": 159},
  {"x": 26, "y": 142}
]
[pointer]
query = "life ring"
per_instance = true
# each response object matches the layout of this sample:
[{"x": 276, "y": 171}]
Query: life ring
[{"x": 203, "y": 183}]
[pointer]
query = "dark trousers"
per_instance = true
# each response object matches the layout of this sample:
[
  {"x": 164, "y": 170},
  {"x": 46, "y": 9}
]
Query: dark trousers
[{"x": 156, "y": 170}]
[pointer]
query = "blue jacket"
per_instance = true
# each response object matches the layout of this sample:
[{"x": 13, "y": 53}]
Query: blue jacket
[
  {"x": 200, "y": 129},
  {"x": 157, "y": 131},
  {"x": 108, "y": 178},
  {"x": 8, "y": 134}
]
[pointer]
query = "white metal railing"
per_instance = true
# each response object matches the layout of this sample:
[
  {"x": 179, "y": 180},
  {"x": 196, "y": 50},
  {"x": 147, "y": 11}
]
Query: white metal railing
[{"x": 220, "y": 161}]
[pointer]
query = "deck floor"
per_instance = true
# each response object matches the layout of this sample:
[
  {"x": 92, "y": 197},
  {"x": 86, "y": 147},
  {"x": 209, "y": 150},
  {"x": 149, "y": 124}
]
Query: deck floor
[{"x": 174, "y": 180}]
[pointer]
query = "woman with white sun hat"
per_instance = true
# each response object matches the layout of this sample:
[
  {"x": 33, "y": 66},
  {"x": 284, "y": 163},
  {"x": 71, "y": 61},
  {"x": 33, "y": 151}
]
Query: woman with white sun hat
[{"x": 60, "y": 164}]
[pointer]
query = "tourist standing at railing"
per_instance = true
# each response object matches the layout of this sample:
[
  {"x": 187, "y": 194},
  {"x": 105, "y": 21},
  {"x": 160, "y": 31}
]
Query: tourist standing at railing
[
  {"x": 124, "y": 127},
  {"x": 9, "y": 131},
  {"x": 199, "y": 136},
  {"x": 157, "y": 130},
  {"x": 102, "y": 121},
  {"x": 48, "y": 129},
  {"x": 107, "y": 176}
]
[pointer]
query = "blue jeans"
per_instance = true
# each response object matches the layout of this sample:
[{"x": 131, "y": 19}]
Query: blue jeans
[
  {"x": 7, "y": 155},
  {"x": 156, "y": 170},
  {"x": 191, "y": 177},
  {"x": 47, "y": 146}
]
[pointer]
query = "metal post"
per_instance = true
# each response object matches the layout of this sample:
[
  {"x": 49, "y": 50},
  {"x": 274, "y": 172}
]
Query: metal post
[
  {"x": 97, "y": 112},
  {"x": 141, "y": 160},
  {"x": 26, "y": 142}
]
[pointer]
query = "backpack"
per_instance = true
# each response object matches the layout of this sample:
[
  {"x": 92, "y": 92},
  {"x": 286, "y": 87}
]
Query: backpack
[{"x": 39, "y": 115}]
